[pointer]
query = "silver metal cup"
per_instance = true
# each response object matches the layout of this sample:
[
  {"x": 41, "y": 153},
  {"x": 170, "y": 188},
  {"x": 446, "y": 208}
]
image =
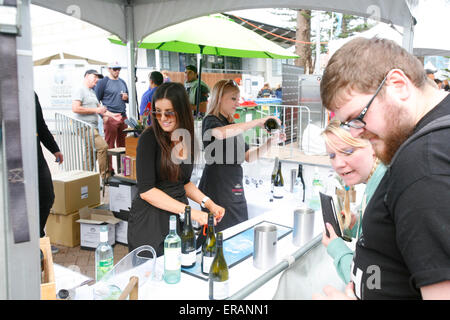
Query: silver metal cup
[
  {"x": 265, "y": 246},
  {"x": 303, "y": 226}
]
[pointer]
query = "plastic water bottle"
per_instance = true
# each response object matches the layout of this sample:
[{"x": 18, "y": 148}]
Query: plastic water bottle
[
  {"x": 104, "y": 255},
  {"x": 317, "y": 186},
  {"x": 172, "y": 254}
]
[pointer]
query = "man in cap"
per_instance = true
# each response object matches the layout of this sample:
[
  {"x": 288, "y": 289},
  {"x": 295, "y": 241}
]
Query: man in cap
[
  {"x": 86, "y": 107},
  {"x": 112, "y": 92},
  {"x": 430, "y": 73},
  {"x": 381, "y": 92},
  {"x": 191, "y": 85}
]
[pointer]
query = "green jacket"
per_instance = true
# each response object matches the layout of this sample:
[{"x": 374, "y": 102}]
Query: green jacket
[
  {"x": 191, "y": 88},
  {"x": 342, "y": 255}
]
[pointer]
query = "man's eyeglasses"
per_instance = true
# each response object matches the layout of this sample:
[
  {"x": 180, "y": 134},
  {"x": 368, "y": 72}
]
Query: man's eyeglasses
[
  {"x": 167, "y": 114},
  {"x": 358, "y": 122},
  {"x": 116, "y": 69}
]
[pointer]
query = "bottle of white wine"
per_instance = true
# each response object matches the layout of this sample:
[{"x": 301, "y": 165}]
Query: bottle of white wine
[
  {"x": 218, "y": 274},
  {"x": 278, "y": 184},
  {"x": 104, "y": 255},
  {"x": 172, "y": 253},
  {"x": 209, "y": 247},
  {"x": 317, "y": 187},
  {"x": 188, "y": 254}
]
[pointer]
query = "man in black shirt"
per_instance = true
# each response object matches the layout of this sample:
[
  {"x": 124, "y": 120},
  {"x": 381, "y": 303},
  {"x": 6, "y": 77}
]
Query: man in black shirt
[{"x": 380, "y": 92}]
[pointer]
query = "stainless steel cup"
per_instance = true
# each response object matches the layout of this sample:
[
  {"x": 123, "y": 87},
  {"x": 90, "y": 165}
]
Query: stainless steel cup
[
  {"x": 303, "y": 226},
  {"x": 265, "y": 246}
]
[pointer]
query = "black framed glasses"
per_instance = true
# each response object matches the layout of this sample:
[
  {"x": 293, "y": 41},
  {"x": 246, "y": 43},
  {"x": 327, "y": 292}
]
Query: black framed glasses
[
  {"x": 358, "y": 122},
  {"x": 116, "y": 69}
]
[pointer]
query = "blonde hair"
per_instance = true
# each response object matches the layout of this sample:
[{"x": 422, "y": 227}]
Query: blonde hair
[
  {"x": 334, "y": 127},
  {"x": 220, "y": 88}
]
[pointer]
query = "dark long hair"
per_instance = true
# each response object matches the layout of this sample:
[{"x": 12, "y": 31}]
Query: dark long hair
[{"x": 176, "y": 94}]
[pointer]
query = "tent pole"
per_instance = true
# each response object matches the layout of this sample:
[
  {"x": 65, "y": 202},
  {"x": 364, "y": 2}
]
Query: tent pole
[
  {"x": 199, "y": 87},
  {"x": 408, "y": 35},
  {"x": 131, "y": 60}
]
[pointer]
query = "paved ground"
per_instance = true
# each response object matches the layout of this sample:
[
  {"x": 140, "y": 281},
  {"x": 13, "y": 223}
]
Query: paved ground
[{"x": 77, "y": 258}]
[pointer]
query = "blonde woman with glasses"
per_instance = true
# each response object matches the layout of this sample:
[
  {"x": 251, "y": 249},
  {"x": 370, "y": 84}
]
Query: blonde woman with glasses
[
  {"x": 225, "y": 151},
  {"x": 355, "y": 162}
]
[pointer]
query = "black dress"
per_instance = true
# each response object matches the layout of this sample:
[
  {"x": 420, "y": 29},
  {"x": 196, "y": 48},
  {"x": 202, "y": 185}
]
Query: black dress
[
  {"x": 222, "y": 178},
  {"x": 149, "y": 225}
]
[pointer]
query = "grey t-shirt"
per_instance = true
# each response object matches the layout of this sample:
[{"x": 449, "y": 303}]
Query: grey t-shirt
[{"x": 88, "y": 100}]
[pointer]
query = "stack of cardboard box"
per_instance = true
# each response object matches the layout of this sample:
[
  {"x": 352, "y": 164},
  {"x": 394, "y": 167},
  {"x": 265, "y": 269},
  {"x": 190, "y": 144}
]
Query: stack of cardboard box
[{"x": 73, "y": 191}]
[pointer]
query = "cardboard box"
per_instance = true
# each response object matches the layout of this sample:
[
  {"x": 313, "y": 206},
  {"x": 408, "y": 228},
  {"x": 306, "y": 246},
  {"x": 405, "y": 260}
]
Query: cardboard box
[
  {"x": 130, "y": 146},
  {"x": 48, "y": 282},
  {"x": 75, "y": 190},
  {"x": 121, "y": 195},
  {"x": 121, "y": 232},
  {"x": 90, "y": 222},
  {"x": 63, "y": 229}
]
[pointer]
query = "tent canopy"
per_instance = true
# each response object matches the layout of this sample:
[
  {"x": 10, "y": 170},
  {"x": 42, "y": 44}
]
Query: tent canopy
[
  {"x": 63, "y": 55},
  {"x": 152, "y": 15}
]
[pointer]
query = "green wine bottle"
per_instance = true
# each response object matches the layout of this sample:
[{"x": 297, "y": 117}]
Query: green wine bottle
[
  {"x": 218, "y": 274},
  {"x": 209, "y": 247},
  {"x": 278, "y": 184},
  {"x": 188, "y": 256}
]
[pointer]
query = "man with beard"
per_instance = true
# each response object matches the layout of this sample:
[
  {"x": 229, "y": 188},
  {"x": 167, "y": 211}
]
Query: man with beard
[{"x": 380, "y": 92}]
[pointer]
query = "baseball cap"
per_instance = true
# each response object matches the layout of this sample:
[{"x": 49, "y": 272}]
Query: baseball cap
[
  {"x": 192, "y": 68},
  {"x": 429, "y": 71},
  {"x": 92, "y": 71},
  {"x": 114, "y": 64}
]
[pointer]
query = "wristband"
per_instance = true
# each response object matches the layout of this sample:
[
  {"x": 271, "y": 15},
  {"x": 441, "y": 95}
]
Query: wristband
[{"x": 204, "y": 201}]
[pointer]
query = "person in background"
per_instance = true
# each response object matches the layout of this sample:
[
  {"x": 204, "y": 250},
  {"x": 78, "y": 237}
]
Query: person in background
[
  {"x": 46, "y": 191},
  {"x": 355, "y": 162},
  {"x": 222, "y": 177},
  {"x": 279, "y": 91},
  {"x": 155, "y": 79},
  {"x": 86, "y": 107},
  {"x": 191, "y": 85},
  {"x": 164, "y": 164},
  {"x": 265, "y": 91},
  {"x": 438, "y": 83},
  {"x": 112, "y": 92},
  {"x": 404, "y": 249},
  {"x": 165, "y": 74},
  {"x": 445, "y": 85},
  {"x": 430, "y": 73}
]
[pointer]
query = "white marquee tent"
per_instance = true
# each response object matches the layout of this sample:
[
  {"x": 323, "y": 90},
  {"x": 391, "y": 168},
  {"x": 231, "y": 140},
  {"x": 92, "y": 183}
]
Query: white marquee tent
[{"x": 131, "y": 20}]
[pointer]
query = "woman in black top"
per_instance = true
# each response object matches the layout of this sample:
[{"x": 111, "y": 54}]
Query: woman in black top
[
  {"x": 164, "y": 163},
  {"x": 225, "y": 150}
]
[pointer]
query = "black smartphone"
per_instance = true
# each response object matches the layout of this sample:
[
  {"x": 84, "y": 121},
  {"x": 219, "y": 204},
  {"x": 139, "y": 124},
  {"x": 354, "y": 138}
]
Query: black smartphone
[{"x": 329, "y": 214}]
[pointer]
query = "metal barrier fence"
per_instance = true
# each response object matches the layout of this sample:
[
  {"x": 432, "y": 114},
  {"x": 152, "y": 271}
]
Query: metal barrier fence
[
  {"x": 294, "y": 119},
  {"x": 75, "y": 138}
]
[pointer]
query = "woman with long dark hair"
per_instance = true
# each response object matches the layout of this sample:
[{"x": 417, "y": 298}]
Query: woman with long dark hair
[{"x": 164, "y": 163}]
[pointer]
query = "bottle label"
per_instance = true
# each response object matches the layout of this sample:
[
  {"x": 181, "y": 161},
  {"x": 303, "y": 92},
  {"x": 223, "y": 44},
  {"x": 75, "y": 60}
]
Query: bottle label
[
  {"x": 172, "y": 259},
  {"x": 188, "y": 259},
  {"x": 278, "y": 192},
  {"x": 103, "y": 267},
  {"x": 220, "y": 290},
  {"x": 207, "y": 261}
]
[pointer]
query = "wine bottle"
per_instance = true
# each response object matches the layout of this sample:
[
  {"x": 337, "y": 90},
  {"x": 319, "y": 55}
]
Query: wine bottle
[
  {"x": 188, "y": 255},
  {"x": 271, "y": 124},
  {"x": 172, "y": 253},
  {"x": 301, "y": 180},
  {"x": 209, "y": 247},
  {"x": 104, "y": 255},
  {"x": 218, "y": 274},
  {"x": 272, "y": 178},
  {"x": 278, "y": 184}
]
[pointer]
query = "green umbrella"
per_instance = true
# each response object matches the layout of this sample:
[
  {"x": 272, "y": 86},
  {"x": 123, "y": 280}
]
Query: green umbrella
[{"x": 213, "y": 35}]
